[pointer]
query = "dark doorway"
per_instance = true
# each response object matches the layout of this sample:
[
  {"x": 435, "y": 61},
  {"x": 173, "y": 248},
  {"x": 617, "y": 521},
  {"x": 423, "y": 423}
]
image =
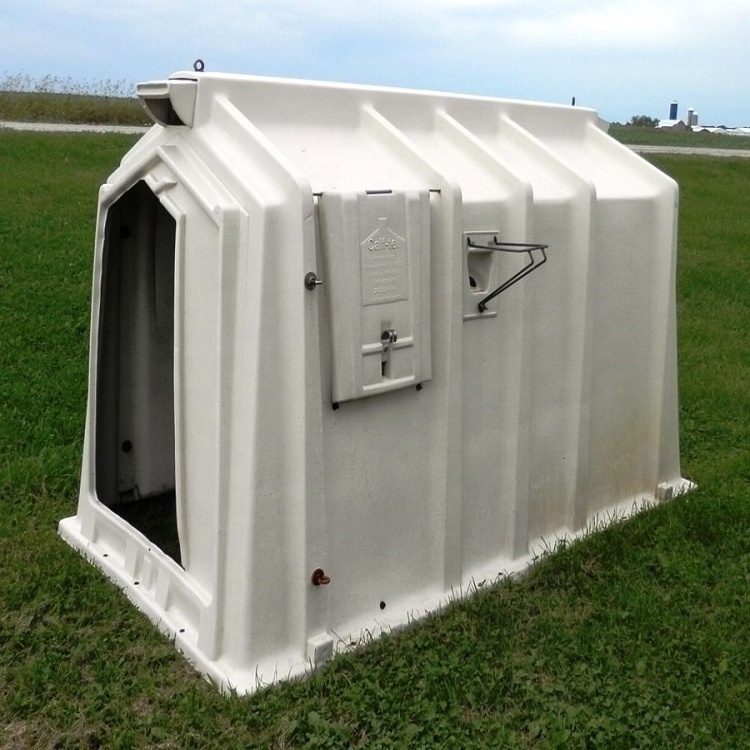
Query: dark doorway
[{"x": 135, "y": 434}]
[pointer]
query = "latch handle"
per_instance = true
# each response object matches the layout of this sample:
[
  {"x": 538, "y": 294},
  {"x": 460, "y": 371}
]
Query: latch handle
[
  {"x": 388, "y": 337},
  {"x": 511, "y": 247}
]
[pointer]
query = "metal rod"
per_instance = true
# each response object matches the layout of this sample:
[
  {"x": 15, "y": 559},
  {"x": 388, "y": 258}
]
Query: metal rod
[{"x": 511, "y": 247}]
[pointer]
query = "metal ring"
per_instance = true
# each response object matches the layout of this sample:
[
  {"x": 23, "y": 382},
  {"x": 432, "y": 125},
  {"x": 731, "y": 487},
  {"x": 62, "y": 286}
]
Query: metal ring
[{"x": 198, "y": 65}]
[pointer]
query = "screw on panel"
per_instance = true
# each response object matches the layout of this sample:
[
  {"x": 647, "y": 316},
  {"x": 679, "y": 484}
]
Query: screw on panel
[{"x": 312, "y": 280}]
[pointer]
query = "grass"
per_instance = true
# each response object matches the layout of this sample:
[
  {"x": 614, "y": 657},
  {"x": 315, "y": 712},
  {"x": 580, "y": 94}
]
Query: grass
[
  {"x": 63, "y": 100},
  {"x": 634, "y": 637}
]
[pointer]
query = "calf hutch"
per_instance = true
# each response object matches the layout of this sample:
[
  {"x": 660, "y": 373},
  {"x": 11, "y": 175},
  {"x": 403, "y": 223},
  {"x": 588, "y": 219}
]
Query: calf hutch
[{"x": 354, "y": 349}]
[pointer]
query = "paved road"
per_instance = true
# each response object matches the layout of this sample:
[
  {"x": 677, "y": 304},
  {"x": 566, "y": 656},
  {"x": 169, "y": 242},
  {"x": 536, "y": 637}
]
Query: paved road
[
  {"x": 742, "y": 153},
  {"x": 50, "y": 127}
]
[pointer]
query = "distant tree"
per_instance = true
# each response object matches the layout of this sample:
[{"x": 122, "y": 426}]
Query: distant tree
[{"x": 643, "y": 121}]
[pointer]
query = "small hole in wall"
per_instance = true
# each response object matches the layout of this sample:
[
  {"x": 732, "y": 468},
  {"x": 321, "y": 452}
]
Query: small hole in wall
[
  {"x": 182, "y": 630},
  {"x": 126, "y": 446},
  {"x": 382, "y": 605},
  {"x": 478, "y": 268}
]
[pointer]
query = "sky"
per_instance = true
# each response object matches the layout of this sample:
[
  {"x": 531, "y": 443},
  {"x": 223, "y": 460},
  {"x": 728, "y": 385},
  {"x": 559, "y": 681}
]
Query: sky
[{"x": 619, "y": 57}]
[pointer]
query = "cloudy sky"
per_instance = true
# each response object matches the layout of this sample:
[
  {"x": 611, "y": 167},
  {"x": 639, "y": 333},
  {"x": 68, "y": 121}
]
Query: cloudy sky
[{"x": 620, "y": 57}]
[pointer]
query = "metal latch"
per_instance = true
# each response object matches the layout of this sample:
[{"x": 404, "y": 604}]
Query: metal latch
[
  {"x": 535, "y": 261},
  {"x": 387, "y": 338}
]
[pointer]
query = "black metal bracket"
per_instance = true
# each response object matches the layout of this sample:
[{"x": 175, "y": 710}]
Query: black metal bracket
[{"x": 535, "y": 261}]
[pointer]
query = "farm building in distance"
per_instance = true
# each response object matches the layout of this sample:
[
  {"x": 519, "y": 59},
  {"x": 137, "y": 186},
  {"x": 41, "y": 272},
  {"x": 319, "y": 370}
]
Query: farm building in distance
[{"x": 691, "y": 123}]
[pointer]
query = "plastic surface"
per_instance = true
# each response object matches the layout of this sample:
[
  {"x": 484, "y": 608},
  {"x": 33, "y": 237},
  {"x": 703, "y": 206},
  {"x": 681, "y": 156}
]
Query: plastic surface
[{"x": 290, "y": 369}]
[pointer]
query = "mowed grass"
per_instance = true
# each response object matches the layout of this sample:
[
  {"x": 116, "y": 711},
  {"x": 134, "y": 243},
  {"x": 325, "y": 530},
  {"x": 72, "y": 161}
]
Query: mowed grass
[{"x": 636, "y": 637}]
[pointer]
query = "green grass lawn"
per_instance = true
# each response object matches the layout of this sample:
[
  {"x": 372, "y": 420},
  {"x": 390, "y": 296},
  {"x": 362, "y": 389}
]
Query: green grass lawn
[{"x": 636, "y": 637}]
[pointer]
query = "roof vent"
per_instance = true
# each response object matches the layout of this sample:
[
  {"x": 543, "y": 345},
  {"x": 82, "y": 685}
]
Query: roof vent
[{"x": 169, "y": 102}]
